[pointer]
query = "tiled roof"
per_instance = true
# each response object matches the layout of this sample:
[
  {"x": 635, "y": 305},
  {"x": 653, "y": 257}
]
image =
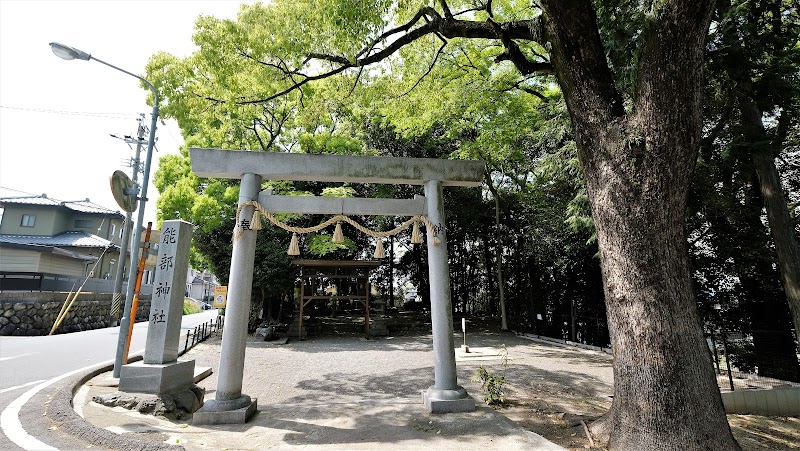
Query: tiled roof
[
  {"x": 81, "y": 206},
  {"x": 68, "y": 239},
  {"x": 85, "y": 206}
]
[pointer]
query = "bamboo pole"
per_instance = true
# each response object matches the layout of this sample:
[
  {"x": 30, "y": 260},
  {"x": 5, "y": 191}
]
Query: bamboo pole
[{"x": 67, "y": 303}]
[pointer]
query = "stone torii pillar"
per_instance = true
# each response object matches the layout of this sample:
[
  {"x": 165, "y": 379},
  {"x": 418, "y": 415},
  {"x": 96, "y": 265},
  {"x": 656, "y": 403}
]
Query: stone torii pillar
[
  {"x": 445, "y": 395},
  {"x": 230, "y": 405}
]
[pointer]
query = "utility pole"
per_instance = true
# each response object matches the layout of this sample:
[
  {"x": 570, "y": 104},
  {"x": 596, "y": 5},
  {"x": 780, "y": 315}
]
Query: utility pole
[{"x": 116, "y": 303}]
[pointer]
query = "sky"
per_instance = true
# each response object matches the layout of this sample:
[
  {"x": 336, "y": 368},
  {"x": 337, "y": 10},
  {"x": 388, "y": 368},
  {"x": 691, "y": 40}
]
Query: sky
[{"x": 56, "y": 116}]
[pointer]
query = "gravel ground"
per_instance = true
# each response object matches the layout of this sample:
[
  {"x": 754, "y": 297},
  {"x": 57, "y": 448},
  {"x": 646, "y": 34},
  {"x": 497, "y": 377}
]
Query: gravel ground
[
  {"x": 321, "y": 369},
  {"x": 544, "y": 382}
]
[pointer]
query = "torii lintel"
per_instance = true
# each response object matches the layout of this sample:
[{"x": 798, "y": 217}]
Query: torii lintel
[
  {"x": 231, "y": 164},
  {"x": 342, "y": 205}
]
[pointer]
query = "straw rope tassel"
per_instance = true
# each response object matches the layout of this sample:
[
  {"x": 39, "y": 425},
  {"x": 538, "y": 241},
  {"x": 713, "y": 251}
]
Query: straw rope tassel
[
  {"x": 431, "y": 230},
  {"x": 338, "y": 236},
  {"x": 294, "y": 247},
  {"x": 255, "y": 224},
  {"x": 416, "y": 238},
  {"x": 379, "y": 249}
]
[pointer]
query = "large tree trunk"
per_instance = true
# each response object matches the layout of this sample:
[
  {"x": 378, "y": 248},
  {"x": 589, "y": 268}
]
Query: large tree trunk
[{"x": 637, "y": 167}]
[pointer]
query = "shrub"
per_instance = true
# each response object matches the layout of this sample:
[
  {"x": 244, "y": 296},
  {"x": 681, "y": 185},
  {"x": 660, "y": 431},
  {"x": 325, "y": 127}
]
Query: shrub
[
  {"x": 190, "y": 308},
  {"x": 491, "y": 383}
]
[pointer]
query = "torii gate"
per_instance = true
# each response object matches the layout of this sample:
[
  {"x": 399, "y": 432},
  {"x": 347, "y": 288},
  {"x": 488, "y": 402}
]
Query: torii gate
[{"x": 445, "y": 395}]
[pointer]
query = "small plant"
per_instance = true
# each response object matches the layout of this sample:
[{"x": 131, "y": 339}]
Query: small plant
[{"x": 491, "y": 383}]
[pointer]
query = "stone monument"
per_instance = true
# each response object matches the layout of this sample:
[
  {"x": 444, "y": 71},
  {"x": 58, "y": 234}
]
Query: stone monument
[{"x": 161, "y": 371}]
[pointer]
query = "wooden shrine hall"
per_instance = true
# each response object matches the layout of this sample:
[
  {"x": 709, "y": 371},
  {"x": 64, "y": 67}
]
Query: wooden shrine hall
[{"x": 338, "y": 283}]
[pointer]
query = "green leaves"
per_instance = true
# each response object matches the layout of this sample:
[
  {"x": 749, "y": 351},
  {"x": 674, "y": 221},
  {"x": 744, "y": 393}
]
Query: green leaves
[{"x": 320, "y": 245}]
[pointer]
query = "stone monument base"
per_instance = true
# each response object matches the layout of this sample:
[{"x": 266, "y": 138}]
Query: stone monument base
[
  {"x": 156, "y": 378},
  {"x": 234, "y": 411},
  {"x": 175, "y": 405},
  {"x": 447, "y": 401}
]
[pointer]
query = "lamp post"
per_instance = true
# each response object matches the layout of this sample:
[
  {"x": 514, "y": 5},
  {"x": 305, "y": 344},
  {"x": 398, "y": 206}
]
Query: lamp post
[{"x": 70, "y": 53}]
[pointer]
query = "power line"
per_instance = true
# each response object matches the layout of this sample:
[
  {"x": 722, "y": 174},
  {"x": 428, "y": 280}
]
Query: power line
[
  {"x": 18, "y": 191},
  {"x": 109, "y": 115}
]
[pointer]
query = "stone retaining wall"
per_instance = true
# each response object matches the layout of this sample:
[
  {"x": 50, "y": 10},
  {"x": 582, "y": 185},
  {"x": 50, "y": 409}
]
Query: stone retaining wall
[{"x": 33, "y": 313}]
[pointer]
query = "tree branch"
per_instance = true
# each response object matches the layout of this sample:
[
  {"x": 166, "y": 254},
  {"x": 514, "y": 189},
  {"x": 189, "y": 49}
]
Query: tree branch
[
  {"x": 518, "y": 85},
  {"x": 445, "y": 9},
  {"x": 444, "y": 27},
  {"x": 430, "y": 68},
  {"x": 355, "y": 82}
]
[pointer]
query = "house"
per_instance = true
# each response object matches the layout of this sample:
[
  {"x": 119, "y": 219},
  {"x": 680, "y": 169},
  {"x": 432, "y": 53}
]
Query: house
[
  {"x": 200, "y": 284},
  {"x": 46, "y": 235}
]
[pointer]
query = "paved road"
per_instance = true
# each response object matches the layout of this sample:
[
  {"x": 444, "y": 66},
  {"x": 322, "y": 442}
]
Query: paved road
[{"x": 27, "y": 362}]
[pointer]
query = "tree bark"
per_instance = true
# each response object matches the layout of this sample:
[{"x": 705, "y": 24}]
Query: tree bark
[{"x": 637, "y": 167}]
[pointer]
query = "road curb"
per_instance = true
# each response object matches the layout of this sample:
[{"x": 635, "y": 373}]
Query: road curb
[{"x": 61, "y": 413}]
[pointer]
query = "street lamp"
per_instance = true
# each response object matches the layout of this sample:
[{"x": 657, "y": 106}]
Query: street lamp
[{"x": 70, "y": 53}]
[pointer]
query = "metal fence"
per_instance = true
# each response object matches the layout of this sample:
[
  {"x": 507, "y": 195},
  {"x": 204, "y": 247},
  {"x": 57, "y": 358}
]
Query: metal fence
[
  {"x": 739, "y": 366},
  {"x": 588, "y": 330},
  {"x": 201, "y": 332},
  {"x": 739, "y": 380},
  {"x": 42, "y": 281}
]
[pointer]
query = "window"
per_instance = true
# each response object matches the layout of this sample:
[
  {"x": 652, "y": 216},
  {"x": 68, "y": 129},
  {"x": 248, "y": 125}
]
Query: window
[
  {"x": 113, "y": 229},
  {"x": 121, "y": 229},
  {"x": 83, "y": 223},
  {"x": 28, "y": 221}
]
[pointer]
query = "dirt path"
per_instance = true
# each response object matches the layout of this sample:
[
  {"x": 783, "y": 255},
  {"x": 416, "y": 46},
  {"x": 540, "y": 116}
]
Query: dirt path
[{"x": 551, "y": 388}]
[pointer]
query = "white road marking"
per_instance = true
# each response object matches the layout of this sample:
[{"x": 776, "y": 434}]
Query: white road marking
[
  {"x": 9, "y": 419},
  {"x": 20, "y": 386},
  {"x": 2, "y": 359}
]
